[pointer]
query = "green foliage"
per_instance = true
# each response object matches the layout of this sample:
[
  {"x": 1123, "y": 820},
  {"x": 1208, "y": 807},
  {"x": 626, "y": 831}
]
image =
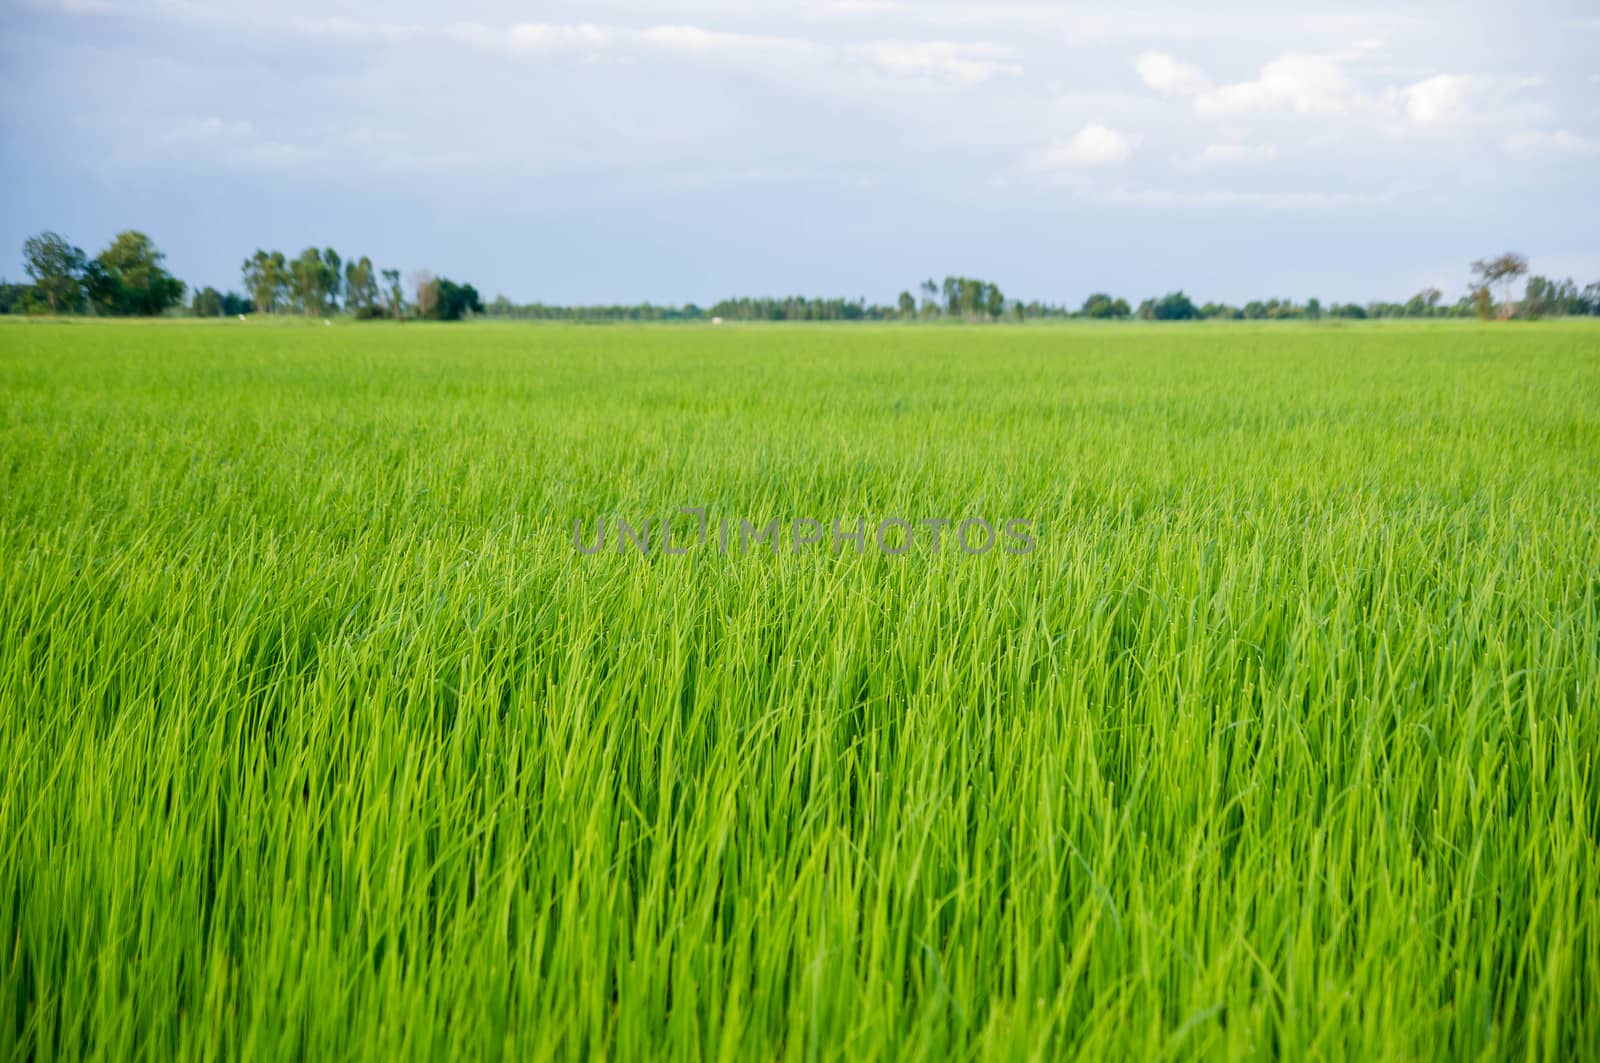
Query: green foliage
[
  {"x": 57, "y": 269},
  {"x": 968, "y": 297},
  {"x": 798, "y": 308},
  {"x": 1174, "y": 306},
  {"x": 1550, "y": 298},
  {"x": 1482, "y": 303},
  {"x": 322, "y": 743},
  {"x": 1102, "y": 306},
  {"x": 361, "y": 294},
  {"x": 266, "y": 280},
  {"x": 207, "y": 302},
  {"x": 22, "y": 299},
  {"x": 1502, "y": 269},
  {"x": 314, "y": 282},
  {"x": 128, "y": 279},
  {"x": 394, "y": 294},
  {"x": 457, "y": 301}
]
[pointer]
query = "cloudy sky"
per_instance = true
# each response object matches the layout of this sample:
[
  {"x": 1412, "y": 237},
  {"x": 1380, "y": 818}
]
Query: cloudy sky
[{"x": 623, "y": 150}]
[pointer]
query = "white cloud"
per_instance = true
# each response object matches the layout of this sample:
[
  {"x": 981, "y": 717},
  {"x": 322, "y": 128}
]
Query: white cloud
[
  {"x": 1237, "y": 154},
  {"x": 1166, "y": 75},
  {"x": 546, "y": 37},
  {"x": 1302, "y": 83},
  {"x": 1296, "y": 82},
  {"x": 698, "y": 40},
  {"x": 1094, "y": 145},
  {"x": 1288, "y": 200},
  {"x": 968, "y": 64},
  {"x": 1558, "y": 142},
  {"x": 965, "y": 63},
  {"x": 1441, "y": 99}
]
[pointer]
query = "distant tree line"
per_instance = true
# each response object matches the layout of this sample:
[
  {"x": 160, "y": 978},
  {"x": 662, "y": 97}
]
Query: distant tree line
[
  {"x": 129, "y": 278},
  {"x": 321, "y": 283}
]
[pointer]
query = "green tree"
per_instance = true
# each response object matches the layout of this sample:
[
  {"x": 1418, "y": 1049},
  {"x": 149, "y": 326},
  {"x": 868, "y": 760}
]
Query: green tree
[
  {"x": 361, "y": 295},
  {"x": 128, "y": 278},
  {"x": 266, "y": 279},
  {"x": 1174, "y": 306},
  {"x": 908, "y": 305},
  {"x": 455, "y": 301},
  {"x": 332, "y": 278},
  {"x": 1502, "y": 269},
  {"x": 396, "y": 294},
  {"x": 314, "y": 281},
  {"x": 1589, "y": 301},
  {"x": 1551, "y": 298},
  {"x": 994, "y": 302},
  {"x": 1101, "y": 306},
  {"x": 22, "y": 299},
  {"x": 57, "y": 269},
  {"x": 207, "y": 302},
  {"x": 1482, "y": 302}
]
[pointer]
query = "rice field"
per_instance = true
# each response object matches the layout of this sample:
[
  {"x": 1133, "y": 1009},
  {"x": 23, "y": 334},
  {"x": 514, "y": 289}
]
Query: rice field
[{"x": 328, "y": 733}]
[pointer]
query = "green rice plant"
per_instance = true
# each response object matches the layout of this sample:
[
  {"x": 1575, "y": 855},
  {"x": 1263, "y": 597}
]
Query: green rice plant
[{"x": 323, "y": 741}]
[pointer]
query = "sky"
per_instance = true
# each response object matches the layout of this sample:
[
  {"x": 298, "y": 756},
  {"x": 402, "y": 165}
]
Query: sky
[{"x": 619, "y": 151}]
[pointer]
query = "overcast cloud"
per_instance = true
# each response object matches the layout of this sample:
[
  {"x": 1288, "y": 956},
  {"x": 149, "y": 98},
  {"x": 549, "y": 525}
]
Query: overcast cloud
[{"x": 623, "y": 150}]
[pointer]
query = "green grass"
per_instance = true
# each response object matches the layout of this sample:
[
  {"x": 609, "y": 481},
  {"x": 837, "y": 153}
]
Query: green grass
[{"x": 321, "y": 741}]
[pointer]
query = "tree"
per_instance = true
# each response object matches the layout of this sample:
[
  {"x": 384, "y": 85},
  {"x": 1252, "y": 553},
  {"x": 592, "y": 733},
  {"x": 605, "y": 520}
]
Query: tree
[
  {"x": 332, "y": 279},
  {"x": 315, "y": 276},
  {"x": 1174, "y": 306},
  {"x": 1424, "y": 303},
  {"x": 396, "y": 295},
  {"x": 207, "y": 302},
  {"x": 450, "y": 301},
  {"x": 427, "y": 293},
  {"x": 1102, "y": 306},
  {"x": 1314, "y": 309},
  {"x": 1589, "y": 301},
  {"x": 968, "y": 297},
  {"x": 908, "y": 305},
  {"x": 994, "y": 301},
  {"x": 361, "y": 296},
  {"x": 1540, "y": 298},
  {"x": 21, "y": 299},
  {"x": 128, "y": 279},
  {"x": 57, "y": 270},
  {"x": 266, "y": 279},
  {"x": 1482, "y": 302},
  {"x": 1547, "y": 298},
  {"x": 1502, "y": 269}
]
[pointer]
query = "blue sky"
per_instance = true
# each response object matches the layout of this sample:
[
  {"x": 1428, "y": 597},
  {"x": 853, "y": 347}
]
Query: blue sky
[{"x": 621, "y": 150}]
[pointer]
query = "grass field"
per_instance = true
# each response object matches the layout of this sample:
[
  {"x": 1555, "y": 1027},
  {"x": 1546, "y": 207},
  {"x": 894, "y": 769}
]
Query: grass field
[{"x": 322, "y": 740}]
